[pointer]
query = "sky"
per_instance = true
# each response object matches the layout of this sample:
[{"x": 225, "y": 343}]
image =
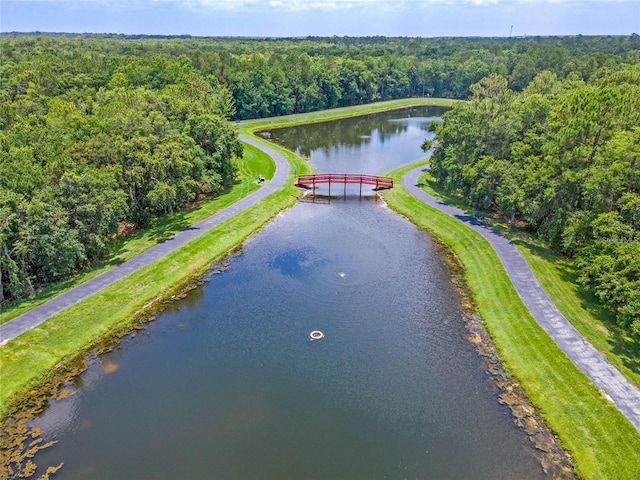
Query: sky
[{"x": 300, "y": 18}]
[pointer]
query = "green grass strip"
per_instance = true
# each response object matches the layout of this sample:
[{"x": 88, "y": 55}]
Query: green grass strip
[
  {"x": 29, "y": 359},
  {"x": 560, "y": 282},
  {"x": 603, "y": 443},
  {"x": 254, "y": 162},
  {"x": 343, "y": 112}
]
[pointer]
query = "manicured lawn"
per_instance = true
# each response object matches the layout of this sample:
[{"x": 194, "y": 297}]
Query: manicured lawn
[
  {"x": 559, "y": 280},
  {"x": 601, "y": 440},
  {"x": 326, "y": 115},
  {"x": 254, "y": 162},
  {"x": 30, "y": 358}
]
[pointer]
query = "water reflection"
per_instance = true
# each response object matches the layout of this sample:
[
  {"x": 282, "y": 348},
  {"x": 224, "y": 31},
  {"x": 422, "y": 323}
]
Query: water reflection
[
  {"x": 293, "y": 263},
  {"x": 226, "y": 384},
  {"x": 364, "y": 134}
]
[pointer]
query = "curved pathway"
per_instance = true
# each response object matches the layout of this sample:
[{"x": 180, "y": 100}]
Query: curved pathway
[
  {"x": 39, "y": 314},
  {"x": 605, "y": 376}
]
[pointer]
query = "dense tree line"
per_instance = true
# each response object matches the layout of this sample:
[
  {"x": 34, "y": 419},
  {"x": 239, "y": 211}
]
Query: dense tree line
[
  {"x": 99, "y": 131},
  {"x": 280, "y": 76},
  {"x": 85, "y": 152},
  {"x": 563, "y": 156}
]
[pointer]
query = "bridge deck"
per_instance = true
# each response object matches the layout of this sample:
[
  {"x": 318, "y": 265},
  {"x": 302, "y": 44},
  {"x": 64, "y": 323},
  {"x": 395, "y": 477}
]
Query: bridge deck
[{"x": 310, "y": 180}]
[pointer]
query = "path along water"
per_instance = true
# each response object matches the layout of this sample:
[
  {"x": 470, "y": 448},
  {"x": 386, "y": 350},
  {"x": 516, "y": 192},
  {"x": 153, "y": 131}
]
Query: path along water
[
  {"x": 605, "y": 376},
  {"x": 585, "y": 356},
  {"x": 39, "y": 314},
  {"x": 226, "y": 382}
]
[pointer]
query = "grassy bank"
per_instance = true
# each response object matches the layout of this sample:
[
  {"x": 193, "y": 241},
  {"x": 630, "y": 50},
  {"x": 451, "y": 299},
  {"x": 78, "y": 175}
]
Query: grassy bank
[
  {"x": 30, "y": 359},
  {"x": 335, "y": 113},
  {"x": 254, "y": 162},
  {"x": 603, "y": 443},
  {"x": 559, "y": 280},
  {"x": 601, "y": 440}
]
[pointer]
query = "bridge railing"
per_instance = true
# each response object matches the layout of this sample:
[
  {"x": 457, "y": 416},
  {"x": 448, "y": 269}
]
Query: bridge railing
[{"x": 361, "y": 178}]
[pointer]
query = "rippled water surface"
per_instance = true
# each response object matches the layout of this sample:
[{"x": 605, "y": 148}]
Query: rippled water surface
[{"x": 226, "y": 383}]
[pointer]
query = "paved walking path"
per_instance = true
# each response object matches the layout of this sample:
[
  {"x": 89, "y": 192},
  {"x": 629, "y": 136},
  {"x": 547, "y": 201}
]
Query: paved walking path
[
  {"x": 39, "y": 314},
  {"x": 605, "y": 376}
]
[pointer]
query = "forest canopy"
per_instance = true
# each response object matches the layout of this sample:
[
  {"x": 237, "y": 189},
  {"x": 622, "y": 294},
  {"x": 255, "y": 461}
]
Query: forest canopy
[
  {"x": 98, "y": 132},
  {"x": 563, "y": 156}
]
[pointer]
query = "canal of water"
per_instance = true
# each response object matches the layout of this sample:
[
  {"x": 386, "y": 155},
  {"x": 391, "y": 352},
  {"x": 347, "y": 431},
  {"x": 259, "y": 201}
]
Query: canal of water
[{"x": 226, "y": 383}]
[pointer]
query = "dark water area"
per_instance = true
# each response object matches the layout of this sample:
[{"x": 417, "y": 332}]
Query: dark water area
[
  {"x": 371, "y": 144},
  {"x": 226, "y": 383}
]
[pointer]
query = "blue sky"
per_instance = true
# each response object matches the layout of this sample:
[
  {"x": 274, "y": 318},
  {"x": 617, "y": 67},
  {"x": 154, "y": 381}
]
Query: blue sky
[{"x": 280, "y": 18}]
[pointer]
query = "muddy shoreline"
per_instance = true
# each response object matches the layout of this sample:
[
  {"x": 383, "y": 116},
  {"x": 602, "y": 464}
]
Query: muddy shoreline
[
  {"x": 19, "y": 442},
  {"x": 555, "y": 462}
]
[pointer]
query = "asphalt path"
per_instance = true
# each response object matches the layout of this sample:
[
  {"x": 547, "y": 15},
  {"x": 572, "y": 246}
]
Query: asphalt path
[
  {"x": 39, "y": 314},
  {"x": 605, "y": 376},
  {"x": 624, "y": 394}
]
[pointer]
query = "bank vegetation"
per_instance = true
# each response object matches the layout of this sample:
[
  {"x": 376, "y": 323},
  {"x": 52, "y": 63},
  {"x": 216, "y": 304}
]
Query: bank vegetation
[{"x": 109, "y": 144}]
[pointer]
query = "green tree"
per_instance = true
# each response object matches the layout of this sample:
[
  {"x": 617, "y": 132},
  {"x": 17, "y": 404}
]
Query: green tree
[{"x": 219, "y": 141}]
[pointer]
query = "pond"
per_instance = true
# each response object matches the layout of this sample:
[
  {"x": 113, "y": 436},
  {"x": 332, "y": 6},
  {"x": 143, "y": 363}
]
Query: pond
[{"x": 227, "y": 384}]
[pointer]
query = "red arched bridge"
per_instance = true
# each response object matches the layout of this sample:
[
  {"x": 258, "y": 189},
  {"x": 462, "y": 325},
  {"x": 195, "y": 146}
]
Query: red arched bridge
[{"x": 312, "y": 179}]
